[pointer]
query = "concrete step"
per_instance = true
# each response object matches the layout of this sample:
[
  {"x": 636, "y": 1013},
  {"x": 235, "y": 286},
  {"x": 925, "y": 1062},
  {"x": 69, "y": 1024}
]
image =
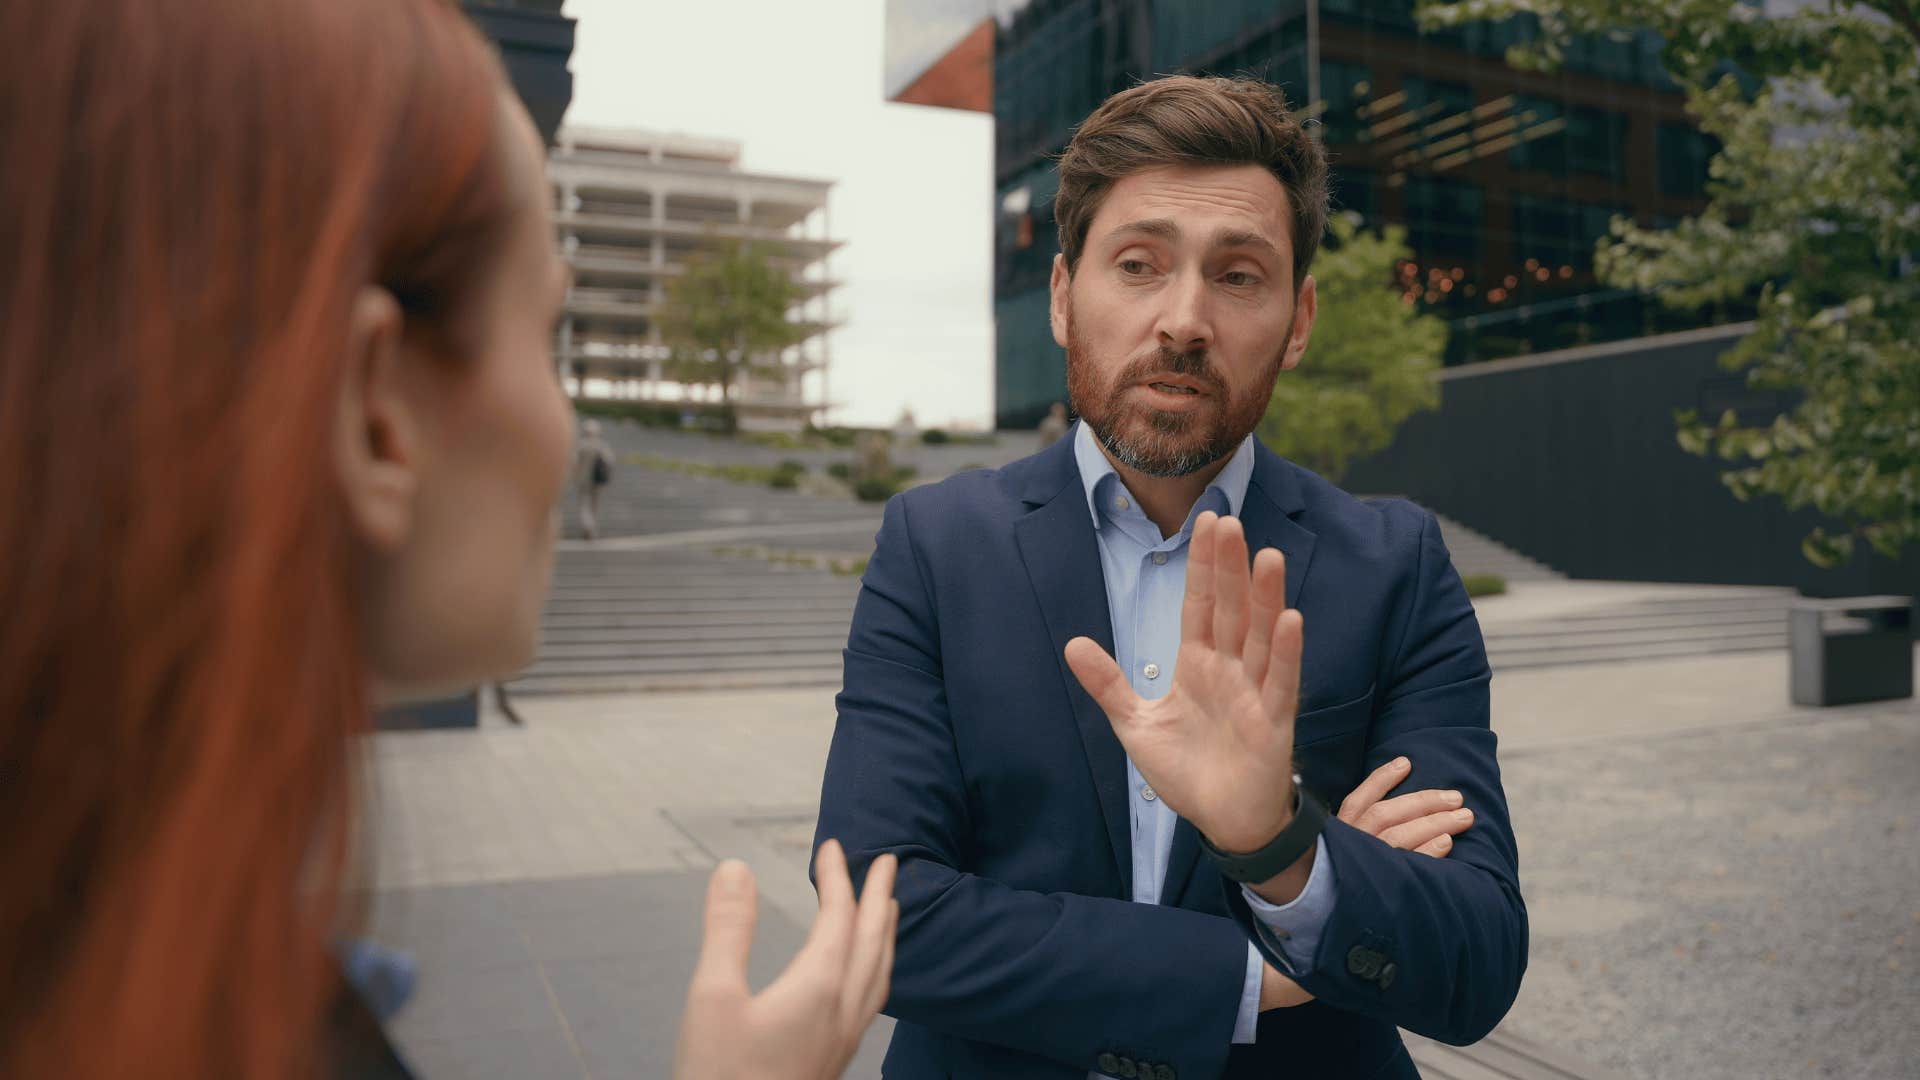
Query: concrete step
[
  {"x": 647, "y": 663},
  {"x": 618, "y": 683},
  {"x": 742, "y": 605},
  {"x": 1701, "y": 623},
  {"x": 1514, "y": 659}
]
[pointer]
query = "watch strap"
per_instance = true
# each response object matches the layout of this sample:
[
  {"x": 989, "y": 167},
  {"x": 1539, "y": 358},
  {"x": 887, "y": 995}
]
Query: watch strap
[{"x": 1294, "y": 840}]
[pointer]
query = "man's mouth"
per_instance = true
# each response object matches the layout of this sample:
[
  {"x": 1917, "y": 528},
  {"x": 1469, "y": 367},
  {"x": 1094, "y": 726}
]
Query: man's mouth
[{"x": 1173, "y": 388}]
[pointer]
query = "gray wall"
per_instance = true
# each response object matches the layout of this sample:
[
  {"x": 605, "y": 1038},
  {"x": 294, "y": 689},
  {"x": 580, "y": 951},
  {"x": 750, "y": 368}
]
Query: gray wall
[{"x": 1570, "y": 458}]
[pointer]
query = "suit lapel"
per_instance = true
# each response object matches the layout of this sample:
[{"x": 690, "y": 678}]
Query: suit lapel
[
  {"x": 1062, "y": 559},
  {"x": 1272, "y": 495}
]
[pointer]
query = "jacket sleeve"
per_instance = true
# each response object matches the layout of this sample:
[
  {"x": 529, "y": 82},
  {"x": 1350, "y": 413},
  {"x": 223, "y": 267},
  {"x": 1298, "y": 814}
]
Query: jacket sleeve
[
  {"x": 1436, "y": 946},
  {"x": 1060, "y": 975}
]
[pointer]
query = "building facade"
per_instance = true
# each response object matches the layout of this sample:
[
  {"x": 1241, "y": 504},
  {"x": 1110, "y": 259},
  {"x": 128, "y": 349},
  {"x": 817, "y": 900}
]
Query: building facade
[
  {"x": 535, "y": 42},
  {"x": 633, "y": 208},
  {"x": 1504, "y": 179}
]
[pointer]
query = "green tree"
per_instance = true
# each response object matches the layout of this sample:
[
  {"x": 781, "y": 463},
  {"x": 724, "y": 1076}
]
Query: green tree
[
  {"x": 1371, "y": 360},
  {"x": 1815, "y": 209},
  {"x": 727, "y": 313}
]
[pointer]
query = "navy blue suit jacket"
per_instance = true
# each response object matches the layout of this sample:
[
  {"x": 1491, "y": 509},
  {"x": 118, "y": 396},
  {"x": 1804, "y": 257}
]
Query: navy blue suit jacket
[{"x": 966, "y": 747}]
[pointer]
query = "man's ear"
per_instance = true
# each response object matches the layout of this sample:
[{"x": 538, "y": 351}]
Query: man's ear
[
  {"x": 1306, "y": 304},
  {"x": 1060, "y": 305},
  {"x": 376, "y": 428}
]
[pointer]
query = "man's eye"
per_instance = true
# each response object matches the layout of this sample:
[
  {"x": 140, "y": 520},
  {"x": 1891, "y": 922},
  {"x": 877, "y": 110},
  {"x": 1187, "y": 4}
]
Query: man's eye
[
  {"x": 1133, "y": 266},
  {"x": 1240, "y": 279}
]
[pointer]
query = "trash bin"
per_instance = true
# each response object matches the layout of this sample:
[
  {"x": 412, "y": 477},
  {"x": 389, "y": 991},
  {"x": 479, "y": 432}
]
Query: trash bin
[
  {"x": 460, "y": 711},
  {"x": 1851, "y": 649}
]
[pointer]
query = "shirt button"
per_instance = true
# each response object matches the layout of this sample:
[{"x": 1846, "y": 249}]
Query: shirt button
[
  {"x": 1121, "y": 503},
  {"x": 1147, "y": 793},
  {"x": 1152, "y": 671},
  {"x": 1159, "y": 558}
]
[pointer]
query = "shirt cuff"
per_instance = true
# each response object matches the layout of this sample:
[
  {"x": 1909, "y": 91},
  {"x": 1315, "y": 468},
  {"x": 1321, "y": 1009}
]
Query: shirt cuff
[
  {"x": 1294, "y": 928},
  {"x": 1248, "y": 1022}
]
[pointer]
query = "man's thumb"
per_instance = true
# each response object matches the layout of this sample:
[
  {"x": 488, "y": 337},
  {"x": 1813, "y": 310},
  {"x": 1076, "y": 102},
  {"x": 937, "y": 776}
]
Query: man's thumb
[
  {"x": 731, "y": 911},
  {"x": 1101, "y": 677}
]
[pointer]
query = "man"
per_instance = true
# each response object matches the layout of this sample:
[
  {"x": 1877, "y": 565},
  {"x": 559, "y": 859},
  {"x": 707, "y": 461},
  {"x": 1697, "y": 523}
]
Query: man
[
  {"x": 592, "y": 472},
  {"x": 1057, "y": 920},
  {"x": 1053, "y": 426}
]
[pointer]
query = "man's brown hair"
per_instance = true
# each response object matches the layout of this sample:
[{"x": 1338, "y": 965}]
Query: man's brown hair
[{"x": 1183, "y": 120}]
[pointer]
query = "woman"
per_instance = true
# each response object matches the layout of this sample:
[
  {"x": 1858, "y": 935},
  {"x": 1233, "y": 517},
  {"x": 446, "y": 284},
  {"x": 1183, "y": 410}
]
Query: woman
[{"x": 280, "y": 441}]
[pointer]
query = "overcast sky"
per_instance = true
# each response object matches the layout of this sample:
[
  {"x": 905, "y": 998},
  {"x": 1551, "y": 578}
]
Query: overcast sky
[{"x": 799, "y": 84}]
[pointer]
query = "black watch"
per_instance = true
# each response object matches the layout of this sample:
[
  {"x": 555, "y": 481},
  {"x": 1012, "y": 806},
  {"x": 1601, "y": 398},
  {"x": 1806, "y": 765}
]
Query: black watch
[{"x": 1299, "y": 835}]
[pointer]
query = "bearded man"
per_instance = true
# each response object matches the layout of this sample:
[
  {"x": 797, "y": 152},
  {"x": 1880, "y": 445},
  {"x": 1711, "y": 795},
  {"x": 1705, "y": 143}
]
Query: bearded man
[{"x": 1105, "y": 742}]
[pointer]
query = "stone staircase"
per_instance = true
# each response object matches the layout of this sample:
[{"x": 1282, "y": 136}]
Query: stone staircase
[
  {"x": 700, "y": 598},
  {"x": 678, "y": 618},
  {"x": 1474, "y": 553},
  {"x": 1693, "y": 622}
]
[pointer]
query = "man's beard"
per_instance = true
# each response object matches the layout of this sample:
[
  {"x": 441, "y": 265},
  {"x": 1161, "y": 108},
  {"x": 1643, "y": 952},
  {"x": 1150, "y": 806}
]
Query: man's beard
[{"x": 1154, "y": 441}]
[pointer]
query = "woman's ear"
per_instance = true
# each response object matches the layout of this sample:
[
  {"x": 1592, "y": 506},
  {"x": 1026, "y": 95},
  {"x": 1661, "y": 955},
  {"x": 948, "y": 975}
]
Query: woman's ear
[{"x": 376, "y": 428}]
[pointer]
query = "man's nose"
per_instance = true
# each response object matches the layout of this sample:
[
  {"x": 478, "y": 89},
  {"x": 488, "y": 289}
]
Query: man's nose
[{"x": 1185, "y": 323}]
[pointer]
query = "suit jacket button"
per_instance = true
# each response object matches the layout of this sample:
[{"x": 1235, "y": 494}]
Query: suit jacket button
[
  {"x": 1363, "y": 962},
  {"x": 1108, "y": 1064},
  {"x": 1386, "y": 976},
  {"x": 1165, "y": 1072}
]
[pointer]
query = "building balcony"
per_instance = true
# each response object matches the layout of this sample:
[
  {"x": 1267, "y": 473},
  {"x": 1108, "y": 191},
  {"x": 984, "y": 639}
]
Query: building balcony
[{"x": 585, "y": 225}]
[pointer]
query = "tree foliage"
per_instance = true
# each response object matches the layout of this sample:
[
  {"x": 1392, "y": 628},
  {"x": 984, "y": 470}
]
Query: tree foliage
[
  {"x": 1814, "y": 206},
  {"x": 1369, "y": 364},
  {"x": 726, "y": 313}
]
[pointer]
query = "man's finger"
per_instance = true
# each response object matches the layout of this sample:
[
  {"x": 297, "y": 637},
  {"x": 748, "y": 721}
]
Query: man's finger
[
  {"x": 1280, "y": 694},
  {"x": 727, "y": 941},
  {"x": 1230, "y": 585},
  {"x": 832, "y": 935},
  {"x": 1102, "y": 678},
  {"x": 1412, "y": 835},
  {"x": 870, "y": 931},
  {"x": 1269, "y": 597},
  {"x": 1438, "y": 847},
  {"x": 882, "y": 986},
  {"x": 1196, "y": 610},
  {"x": 1387, "y": 813},
  {"x": 1377, "y": 784}
]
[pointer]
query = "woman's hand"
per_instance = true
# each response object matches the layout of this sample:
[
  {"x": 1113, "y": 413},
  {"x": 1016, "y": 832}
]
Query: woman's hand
[{"x": 808, "y": 1023}]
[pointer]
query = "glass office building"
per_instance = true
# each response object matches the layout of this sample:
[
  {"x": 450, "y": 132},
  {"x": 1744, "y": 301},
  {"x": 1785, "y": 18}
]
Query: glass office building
[{"x": 1503, "y": 179}]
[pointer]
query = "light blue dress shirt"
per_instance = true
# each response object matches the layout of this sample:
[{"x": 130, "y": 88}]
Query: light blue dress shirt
[{"x": 1146, "y": 579}]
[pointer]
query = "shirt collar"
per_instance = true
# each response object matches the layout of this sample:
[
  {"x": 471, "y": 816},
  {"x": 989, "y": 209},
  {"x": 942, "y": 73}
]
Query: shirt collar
[{"x": 1094, "y": 466}]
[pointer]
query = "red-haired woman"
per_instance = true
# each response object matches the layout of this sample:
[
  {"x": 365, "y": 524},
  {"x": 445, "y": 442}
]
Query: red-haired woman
[{"x": 276, "y": 288}]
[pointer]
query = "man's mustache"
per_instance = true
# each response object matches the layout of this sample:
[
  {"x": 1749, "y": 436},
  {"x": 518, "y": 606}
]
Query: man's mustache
[{"x": 1191, "y": 365}]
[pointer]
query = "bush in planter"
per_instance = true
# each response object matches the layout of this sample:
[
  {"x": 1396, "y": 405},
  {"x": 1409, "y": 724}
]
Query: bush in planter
[
  {"x": 787, "y": 474},
  {"x": 1484, "y": 584},
  {"x": 840, "y": 470}
]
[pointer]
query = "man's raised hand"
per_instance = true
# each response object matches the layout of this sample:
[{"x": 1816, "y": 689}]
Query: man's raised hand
[{"x": 1218, "y": 748}]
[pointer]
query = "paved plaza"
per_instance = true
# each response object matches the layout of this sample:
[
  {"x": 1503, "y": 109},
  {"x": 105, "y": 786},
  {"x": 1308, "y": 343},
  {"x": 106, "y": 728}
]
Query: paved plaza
[{"x": 1720, "y": 884}]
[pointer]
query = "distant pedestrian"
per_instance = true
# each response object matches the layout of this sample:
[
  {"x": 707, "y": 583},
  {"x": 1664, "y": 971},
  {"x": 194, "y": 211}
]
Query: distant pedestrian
[
  {"x": 1054, "y": 425},
  {"x": 592, "y": 471}
]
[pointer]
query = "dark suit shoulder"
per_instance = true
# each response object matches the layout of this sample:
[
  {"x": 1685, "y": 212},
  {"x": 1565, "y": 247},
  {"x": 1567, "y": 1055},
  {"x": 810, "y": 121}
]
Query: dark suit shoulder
[{"x": 1382, "y": 531}]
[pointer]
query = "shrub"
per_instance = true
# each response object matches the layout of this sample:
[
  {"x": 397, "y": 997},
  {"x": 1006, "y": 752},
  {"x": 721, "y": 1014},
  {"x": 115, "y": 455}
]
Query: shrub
[
  {"x": 840, "y": 470},
  {"x": 787, "y": 474},
  {"x": 875, "y": 489},
  {"x": 934, "y": 437},
  {"x": 1484, "y": 584}
]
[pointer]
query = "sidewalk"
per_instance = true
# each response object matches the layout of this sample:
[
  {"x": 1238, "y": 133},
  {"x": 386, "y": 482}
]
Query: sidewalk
[{"x": 1720, "y": 884}]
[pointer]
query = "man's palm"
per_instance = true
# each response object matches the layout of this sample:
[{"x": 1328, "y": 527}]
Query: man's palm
[{"x": 1218, "y": 747}]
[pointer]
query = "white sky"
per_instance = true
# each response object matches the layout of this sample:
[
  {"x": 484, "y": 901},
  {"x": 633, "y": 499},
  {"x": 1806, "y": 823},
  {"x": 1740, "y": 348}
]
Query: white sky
[{"x": 799, "y": 84}]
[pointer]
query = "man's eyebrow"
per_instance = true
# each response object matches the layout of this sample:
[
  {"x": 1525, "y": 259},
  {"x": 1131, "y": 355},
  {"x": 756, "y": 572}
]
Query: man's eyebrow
[
  {"x": 1164, "y": 228},
  {"x": 1241, "y": 238},
  {"x": 1167, "y": 229}
]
